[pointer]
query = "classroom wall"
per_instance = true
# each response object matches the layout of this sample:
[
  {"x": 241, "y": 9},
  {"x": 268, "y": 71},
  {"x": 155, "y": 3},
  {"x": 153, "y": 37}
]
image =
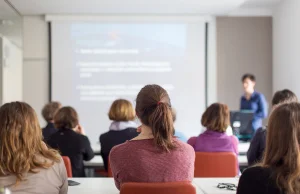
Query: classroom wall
[
  {"x": 36, "y": 63},
  {"x": 244, "y": 45},
  {"x": 286, "y": 46}
]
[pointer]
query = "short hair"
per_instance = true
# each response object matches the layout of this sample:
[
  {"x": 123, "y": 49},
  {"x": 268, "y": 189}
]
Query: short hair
[
  {"x": 50, "y": 110},
  {"x": 66, "y": 118},
  {"x": 249, "y": 76},
  {"x": 284, "y": 96},
  {"x": 121, "y": 110},
  {"x": 216, "y": 117}
]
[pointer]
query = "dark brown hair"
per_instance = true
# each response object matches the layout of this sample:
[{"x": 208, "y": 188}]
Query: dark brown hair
[
  {"x": 21, "y": 144},
  {"x": 282, "y": 152},
  {"x": 50, "y": 110},
  {"x": 284, "y": 96},
  {"x": 121, "y": 110},
  {"x": 153, "y": 107},
  {"x": 249, "y": 76},
  {"x": 66, "y": 118},
  {"x": 216, "y": 117}
]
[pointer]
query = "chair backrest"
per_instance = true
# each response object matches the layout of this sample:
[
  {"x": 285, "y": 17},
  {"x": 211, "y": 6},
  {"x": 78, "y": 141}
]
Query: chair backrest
[
  {"x": 109, "y": 172},
  {"x": 158, "y": 188},
  {"x": 68, "y": 166},
  {"x": 216, "y": 164}
]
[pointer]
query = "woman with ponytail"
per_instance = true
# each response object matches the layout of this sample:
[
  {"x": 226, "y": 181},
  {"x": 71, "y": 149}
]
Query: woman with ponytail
[{"x": 155, "y": 155}]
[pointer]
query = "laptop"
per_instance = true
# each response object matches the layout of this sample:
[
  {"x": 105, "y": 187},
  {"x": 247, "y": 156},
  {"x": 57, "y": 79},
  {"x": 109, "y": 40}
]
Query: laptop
[{"x": 241, "y": 123}]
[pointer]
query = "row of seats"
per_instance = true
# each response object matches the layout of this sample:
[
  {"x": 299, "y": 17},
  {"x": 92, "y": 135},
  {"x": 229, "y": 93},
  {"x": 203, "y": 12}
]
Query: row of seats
[{"x": 222, "y": 164}]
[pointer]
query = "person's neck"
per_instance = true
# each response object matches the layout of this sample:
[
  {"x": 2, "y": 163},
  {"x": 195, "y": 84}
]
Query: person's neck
[
  {"x": 146, "y": 133},
  {"x": 248, "y": 94}
]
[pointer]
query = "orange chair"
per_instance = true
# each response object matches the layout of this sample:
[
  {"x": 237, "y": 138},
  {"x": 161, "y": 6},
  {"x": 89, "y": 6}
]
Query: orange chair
[
  {"x": 215, "y": 164},
  {"x": 68, "y": 165},
  {"x": 105, "y": 173},
  {"x": 109, "y": 172},
  {"x": 158, "y": 188}
]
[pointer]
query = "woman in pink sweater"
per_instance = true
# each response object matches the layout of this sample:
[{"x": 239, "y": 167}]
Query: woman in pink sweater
[{"x": 155, "y": 155}]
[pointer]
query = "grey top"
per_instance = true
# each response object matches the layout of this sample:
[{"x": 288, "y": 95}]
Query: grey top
[{"x": 47, "y": 181}]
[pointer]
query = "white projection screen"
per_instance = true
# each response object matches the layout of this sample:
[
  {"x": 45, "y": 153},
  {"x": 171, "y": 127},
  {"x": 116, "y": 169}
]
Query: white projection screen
[{"x": 95, "y": 62}]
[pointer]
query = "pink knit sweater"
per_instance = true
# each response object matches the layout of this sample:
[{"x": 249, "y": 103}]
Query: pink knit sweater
[{"x": 141, "y": 161}]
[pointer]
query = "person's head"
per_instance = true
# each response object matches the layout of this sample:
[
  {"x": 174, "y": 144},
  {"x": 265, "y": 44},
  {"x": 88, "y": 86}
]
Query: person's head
[
  {"x": 153, "y": 108},
  {"x": 121, "y": 110},
  {"x": 284, "y": 96},
  {"x": 248, "y": 81},
  {"x": 282, "y": 146},
  {"x": 21, "y": 141},
  {"x": 50, "y": 110},
  {"x": 66, "y": 118},
  {"x": 216, "y": 117}
]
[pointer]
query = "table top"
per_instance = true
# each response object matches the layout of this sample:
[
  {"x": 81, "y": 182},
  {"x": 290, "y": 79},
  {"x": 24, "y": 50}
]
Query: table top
[
  {"x": 97, "y": 161},
  {"x": 209, "y": 185},
  {"x": 243, "y": 147},
  {"x": 107, "y": 186},
  {"x": 96, "y": 148}
]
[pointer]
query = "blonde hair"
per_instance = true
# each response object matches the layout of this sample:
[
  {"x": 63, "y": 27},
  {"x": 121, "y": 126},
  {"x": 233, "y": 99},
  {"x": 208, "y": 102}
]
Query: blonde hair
[
  {"x": 282, "y": 152},
  {"x": 216, "y": 117},
  {"x": 21, "y": 145},
  {"x": 121, "y": 110}
]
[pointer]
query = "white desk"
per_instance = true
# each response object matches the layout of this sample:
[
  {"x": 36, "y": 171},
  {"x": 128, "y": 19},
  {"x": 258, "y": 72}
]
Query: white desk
[
  {"x": 243, "y": 147},
  {"x": 243, "y": 161},
  {"x": 97, "y": 161},
  {"x": 96, "y": 148},
  {"x": 94, "y": 186},
  {"x": 209, "y": 185},
  {"x": 107, "y": 186}
]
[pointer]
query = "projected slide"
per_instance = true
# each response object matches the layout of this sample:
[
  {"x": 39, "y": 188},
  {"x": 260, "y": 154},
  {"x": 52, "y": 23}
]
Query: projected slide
[{"x": 95, "y": 63}]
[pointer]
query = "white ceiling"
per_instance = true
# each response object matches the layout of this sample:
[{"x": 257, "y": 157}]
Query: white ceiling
[{"x": 199, "y": 7}]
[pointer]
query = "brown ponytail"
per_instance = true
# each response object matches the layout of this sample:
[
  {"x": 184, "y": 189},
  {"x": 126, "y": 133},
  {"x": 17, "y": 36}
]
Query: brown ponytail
[{"x": 153, "y": 107}]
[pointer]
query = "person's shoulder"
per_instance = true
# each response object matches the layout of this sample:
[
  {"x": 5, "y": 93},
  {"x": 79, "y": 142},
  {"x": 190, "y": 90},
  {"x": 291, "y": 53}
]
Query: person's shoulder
[
  {"x": 104, "y": 135},
  {"x": 259, "y": 95},
  {"x": 184, "y": 146},
  {"x": 120, "y": 148},
  {"x": 257, "y": 171}
]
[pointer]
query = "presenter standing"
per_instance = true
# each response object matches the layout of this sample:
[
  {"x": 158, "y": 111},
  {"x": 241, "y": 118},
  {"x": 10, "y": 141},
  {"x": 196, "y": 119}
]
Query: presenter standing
[{"x": 253, "y": 101}]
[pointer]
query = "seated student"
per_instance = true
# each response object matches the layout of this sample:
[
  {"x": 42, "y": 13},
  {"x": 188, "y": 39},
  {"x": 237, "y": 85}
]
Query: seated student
[
  {"x": 279, "y": 172},
  {"x": 122, "y": 128},
  {"x": 258, "y": 143},
  {"x": 216, "y": 120},
  {"x": 48, "y": 113},
  {"x": 26, "y": 164},
  {"x": 70, "y": 140},
  {"x": 154, "y": 155}
]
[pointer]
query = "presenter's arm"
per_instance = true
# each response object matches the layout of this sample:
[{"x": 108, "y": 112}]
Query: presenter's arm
[{"x": 262, "y": 111}]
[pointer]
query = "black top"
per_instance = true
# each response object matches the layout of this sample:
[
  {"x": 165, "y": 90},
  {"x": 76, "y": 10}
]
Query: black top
[
  {"x": 74, "y": 145},
  {"x": 112, "y": 138},
  {"x": 49, "y": 130},
  {"x": 257, "y": 146},
  {"x": 258, "y": 180}
]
